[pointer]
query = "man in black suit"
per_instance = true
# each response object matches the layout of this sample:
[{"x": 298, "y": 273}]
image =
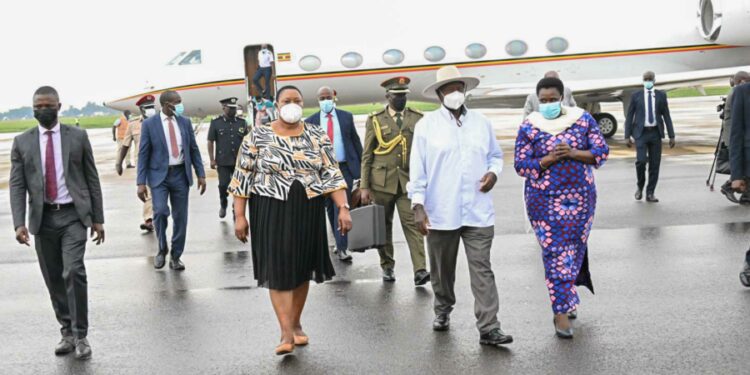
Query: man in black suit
[
  {"x": 648, "y": 113},
  {"x": 53, "y": 165},
  {"x": 739, "y": 152},
  {"x": 348, "y": 148}
]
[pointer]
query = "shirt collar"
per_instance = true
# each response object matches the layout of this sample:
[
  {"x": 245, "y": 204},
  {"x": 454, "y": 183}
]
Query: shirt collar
[
  {"x": 449, "y": 115},
  {"x": 55, "y": 129},
  {"x": 325, "y": 115},
  {"x": 164, "y": 116},
  {"x": 393, "y": 112}
]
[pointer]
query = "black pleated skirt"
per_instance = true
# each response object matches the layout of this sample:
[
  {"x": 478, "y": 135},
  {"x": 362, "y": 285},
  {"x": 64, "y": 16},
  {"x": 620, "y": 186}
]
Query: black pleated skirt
[{"x": 289, "y": 240}]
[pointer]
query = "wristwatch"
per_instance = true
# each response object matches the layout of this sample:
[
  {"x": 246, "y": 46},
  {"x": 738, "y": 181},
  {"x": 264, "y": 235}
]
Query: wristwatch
[{"x": 344, "y": 206}]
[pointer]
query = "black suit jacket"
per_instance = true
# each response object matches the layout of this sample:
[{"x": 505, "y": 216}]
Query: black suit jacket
[
  {"x": 739, "y": 141},
  {"x": 635, "y": 120},
  {"x": 352, "y": 144},
  {"x": 27, "y": 177}
]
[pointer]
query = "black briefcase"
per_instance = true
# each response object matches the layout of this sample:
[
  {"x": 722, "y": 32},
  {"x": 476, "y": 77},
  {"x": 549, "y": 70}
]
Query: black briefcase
[{"x": 368, "y": 228}]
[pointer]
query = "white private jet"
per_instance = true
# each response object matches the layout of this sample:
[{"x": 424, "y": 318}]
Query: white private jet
[{"x": 600, "y": 48}]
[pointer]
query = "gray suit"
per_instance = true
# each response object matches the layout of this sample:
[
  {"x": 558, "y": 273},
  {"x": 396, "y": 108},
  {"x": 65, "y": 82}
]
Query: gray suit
[
  {"x": 726, "y": 125},
  {"x": 60, "y": 234}
]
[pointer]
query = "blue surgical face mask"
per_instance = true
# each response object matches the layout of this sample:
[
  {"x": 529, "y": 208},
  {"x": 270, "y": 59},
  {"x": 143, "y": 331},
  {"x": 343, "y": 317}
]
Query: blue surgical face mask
[
  {"x": 550, "y": 111},
  {"x": 648, "y": 85},
  {"x": 326, "y": 105},
  {"x": 179, "y": 109}
]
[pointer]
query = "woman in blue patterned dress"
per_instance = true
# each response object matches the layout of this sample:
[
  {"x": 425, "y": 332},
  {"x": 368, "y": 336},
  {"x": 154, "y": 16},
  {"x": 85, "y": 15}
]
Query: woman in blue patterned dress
[{"x": 556, "y": 149}]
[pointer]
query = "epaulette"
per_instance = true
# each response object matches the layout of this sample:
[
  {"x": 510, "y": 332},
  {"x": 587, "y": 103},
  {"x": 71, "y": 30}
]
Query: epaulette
[{"x": 415, "y": 110}]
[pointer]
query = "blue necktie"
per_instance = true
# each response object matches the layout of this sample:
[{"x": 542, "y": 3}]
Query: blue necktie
[{"x": 650, "y": 109}]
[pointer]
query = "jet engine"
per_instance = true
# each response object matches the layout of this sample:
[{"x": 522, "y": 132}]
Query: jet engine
[{"x": 725, "y": 21}]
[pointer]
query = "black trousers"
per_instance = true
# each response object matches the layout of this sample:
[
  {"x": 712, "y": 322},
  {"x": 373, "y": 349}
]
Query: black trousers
[
  {"x": 648, "y": 152},
  {"x": 60, "y": 246},
  {"x": 225, "y": 177}
]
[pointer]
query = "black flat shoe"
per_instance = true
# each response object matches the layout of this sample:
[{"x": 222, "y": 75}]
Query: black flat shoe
[
  {"x": 344, "y": 255},
  {"x": 495, "y": 337},
  {"x": 83, "y": 349},
  {"x": 573, "y": 314},
  {"x": 176, "y": 264},
  {"x": 651, "y": 198},
  {"x": 442, "y": 322},
  {"x": 65, "y": 346},
  {"x": 160, "y": 260},
  {"x": 638, "y": 195},
  {"x": 389, "y": 275},
  {"x": 745, "y": 275},
  {"x": 421, "y": 277},
  {"x": 222, "y": 212},
  {"x": 726, "y": 189},
  {"x": 563, "y": 333}
]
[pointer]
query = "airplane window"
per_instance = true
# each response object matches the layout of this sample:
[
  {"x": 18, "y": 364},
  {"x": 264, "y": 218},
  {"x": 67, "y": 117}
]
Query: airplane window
[
  {"x": 557, "y": 45},
  {"x": 393, "y": 57},
  {"x": 476, "y": 50},
  {"x": 351, "y": 60},
  {"x": 309, "y": 63},
  {"x": 176, "y": 58},
  {"x": 434, "y": 53},
  {"x": 516, "y": 48},
  {"x": 193, "y": 58}
]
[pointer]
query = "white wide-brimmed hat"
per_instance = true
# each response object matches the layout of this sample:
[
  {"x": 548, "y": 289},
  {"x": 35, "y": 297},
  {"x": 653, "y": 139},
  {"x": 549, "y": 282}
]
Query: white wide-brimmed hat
[{"x": 448, "y": 74}]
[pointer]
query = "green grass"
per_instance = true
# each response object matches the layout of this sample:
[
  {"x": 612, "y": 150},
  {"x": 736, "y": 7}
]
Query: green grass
[
  {"x": 14, "y": 126},
  {"x": 363, "y": 109},
  {"x": 687, "y": 92}
]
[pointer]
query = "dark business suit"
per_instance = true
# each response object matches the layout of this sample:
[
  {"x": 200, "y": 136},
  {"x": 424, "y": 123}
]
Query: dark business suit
[
  {"x": 648, "y": 140},
  {"x": 59, "y": 234},
  {"x": 168, "y": 184},
  {"x": 351, "y": 168},
  {"x": 739, "y": 141}
]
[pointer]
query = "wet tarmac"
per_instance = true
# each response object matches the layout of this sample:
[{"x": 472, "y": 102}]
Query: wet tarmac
[{"x": 668, "y": 296}]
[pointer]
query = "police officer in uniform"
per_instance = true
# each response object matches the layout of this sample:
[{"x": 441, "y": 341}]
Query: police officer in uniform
[
  {"x": 227, "y": 132},
  {"x": 133, "y": 137},
  {"x": 385, "y": 173}
]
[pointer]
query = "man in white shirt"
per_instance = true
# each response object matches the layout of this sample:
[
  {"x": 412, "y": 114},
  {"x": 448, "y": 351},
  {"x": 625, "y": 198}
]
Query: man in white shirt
[
  {"x": 265, "y": 70},
  {"x": 455, "y": 162}
]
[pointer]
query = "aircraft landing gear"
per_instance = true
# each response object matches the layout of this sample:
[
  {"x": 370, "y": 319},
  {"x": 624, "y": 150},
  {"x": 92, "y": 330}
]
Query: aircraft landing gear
[{"x": 607, "y": 123}]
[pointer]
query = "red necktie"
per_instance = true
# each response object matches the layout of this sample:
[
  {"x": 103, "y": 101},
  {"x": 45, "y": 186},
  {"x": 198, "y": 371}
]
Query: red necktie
[
  {"x": 173, "y": 139},
  {"x": 50, "y": 171},
  {"x": 330, "y": 127}
]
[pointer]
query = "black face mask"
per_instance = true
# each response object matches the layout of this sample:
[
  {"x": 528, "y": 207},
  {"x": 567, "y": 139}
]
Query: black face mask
[
  {"x": 398, "y": 103},
  {"x": 46, "y": 116},
  {"x": 231, "y": 113}
]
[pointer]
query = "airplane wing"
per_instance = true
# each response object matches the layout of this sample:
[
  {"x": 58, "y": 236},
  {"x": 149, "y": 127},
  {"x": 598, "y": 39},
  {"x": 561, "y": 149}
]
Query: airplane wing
[{"x": 600, "y": 90}]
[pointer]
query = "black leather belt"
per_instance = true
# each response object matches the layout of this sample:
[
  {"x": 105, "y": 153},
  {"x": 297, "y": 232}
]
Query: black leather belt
[
  {"x": 56, "y": 206},
  {"x": 649, "y": 128},
  {"x": 177, "y": 166}
]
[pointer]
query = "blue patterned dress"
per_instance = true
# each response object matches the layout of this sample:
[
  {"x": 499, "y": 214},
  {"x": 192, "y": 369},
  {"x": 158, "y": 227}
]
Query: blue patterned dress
[{"x": 560, "y": 202}]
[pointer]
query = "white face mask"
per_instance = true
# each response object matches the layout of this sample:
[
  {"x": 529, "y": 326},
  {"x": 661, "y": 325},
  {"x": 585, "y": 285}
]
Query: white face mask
[
  {"x": 291, "y": 113},
  {"x": 150, "y": 112},
  {"x": 454, "y": 100}
]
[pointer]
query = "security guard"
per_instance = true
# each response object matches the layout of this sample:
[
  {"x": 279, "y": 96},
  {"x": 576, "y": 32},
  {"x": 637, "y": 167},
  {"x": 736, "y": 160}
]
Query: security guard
[
  {"x": 133, "y": 136},
  {"x": 385, "y": 173},
  {"x": 227, "y": 131}
]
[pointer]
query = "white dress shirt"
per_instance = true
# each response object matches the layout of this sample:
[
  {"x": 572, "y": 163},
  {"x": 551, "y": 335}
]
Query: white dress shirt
[
  {"x": 646, "y": 123},
  {"x": 447, "y": 163},
  {"x": 63, "y": 196},
  {"x": 265, "y": 58},
  {"x": 165, "y": 124}
]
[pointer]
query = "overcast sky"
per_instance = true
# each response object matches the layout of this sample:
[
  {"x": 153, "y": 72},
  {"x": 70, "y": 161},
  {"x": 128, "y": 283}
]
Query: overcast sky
[{"x": 89, "y": 50}]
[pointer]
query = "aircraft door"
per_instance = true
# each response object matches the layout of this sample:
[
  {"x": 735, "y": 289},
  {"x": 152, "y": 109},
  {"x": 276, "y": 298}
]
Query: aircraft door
[{"x": 260, "y": 79}]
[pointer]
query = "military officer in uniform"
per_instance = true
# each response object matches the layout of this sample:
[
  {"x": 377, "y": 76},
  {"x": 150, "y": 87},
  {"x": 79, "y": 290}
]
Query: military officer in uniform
[
  {"x": 226, "y": 131},
  {"x": 133, "y": 137},
  {"x": 385, "y": 173}
]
